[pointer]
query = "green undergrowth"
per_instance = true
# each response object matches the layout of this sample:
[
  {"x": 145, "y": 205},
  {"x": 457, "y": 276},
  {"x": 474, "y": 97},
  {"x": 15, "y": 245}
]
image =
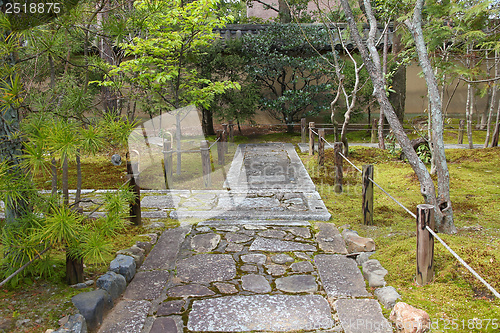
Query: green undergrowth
[{"x": 455, "y": 294}]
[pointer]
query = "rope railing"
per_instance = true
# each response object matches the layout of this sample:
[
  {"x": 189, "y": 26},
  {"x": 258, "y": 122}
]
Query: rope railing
[
  {"x": 214, "y": 143},
  {"x": 422, "y": 255}
]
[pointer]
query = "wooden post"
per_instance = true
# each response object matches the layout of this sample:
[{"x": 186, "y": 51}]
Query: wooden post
[
  {"x": 367, "y": 194},
  {"x": 135, "y": 206},
  {"x": 220, "y": 149},
  {"x": 224, "y": 136},
  {"x": 205, "y": 162},
  {"x": 321, "y": 147},
  {"x": 231, "y": 131},
  {"x": 461, "y": 131},
  {"x": 374, "y": 131},
  {"x": 303, "y": 130},
  {"x": 167, "y": 163},
  {"x": 311, "y": 138},
  {"x": 339, "y": 170},
  {"x": 425, "y": 244}
]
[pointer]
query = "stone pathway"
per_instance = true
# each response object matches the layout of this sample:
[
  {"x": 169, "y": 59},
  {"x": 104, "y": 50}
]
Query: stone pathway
[{"x": 259, "y": 265}]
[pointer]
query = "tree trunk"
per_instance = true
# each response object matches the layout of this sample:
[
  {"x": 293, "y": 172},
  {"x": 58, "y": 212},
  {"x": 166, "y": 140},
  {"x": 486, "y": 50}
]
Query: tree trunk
[
  {"x": 178, "y": 135},
  {"x": 468, "y": 114},
  {"x": 74, "y": 269},
  {"x": 207, "y": 122},
  {"x": 370, "y": 58},
  {"x": 65, "y": 186},
  {"x": 78, "y": 179},
  {"x": 398, "y": 97},
  {"x": 53, "y": 169},
  {"x": 284, "y": 12},
  {"x": 444, "y": 211},
  {"x": 493, "y": 96}
]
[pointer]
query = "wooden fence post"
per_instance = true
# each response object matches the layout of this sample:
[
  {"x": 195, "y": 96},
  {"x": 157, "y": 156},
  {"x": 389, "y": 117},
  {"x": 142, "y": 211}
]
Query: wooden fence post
[
  {"x": 374, "y": 131},
  {"x": 339, "y": 170},
  {"x": 205, "y": 162},
  {"x": 303, "y": 130},
  {"x": 311, "y": 138},
  {"x": 135, "y": 206},
  {"x": 461, "y": 131},
  {"x": 425, "y": 244},
  {"x": 167, "y": 163},
  {"x": 321, "y": 147},
  {"x": 231, "y": 131},
  {"x": 224, "y": 137},
  {"x": 367, "y": 194},
  {"x": 220, "y": 149}
]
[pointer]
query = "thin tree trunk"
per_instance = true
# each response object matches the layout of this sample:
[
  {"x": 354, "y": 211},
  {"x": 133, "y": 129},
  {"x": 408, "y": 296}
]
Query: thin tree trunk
[
  {"x": 469, "y": 114},
  {"x": 494, "y": 140},
  {"x": 381, "y": 120},
  {"x": 53, "y": 168},
  {"x": 65, "y": 186},
  {"x": 494, "y": 90},
  {"x": 444, "y": 216},
  {"x": 78, "y": 179}
]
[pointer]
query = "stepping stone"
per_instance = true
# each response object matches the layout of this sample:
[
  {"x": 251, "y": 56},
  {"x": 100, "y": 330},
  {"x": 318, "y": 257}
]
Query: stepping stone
[
  {"x": 300, "y": 232},
  {"x": 329, "y": 239},
  {"x": 165, "y": 251},
  {"x": 272, "y": 313},
  {"x": 276, "y": 245},
  {"x": 190, "y": 290},
  {"x": 164, "y": 325},
  {"x": 126, "y": 316},
  {"x": 302, "y": 255},
  {"x": 302, "y": 267},
  {"x": 272, "y": 233},
  {"x": 276, "y": 270},
  {"x": 254, "y": 258},
  {"x": 281, "y": 258},
  {"x": 230, "y": 228},
  {"x": 147, "y": 285},
  {"x": 226, "y": 288},
  {"x": 233, "y": 247},
  {"x": 205, "y": 268},
  {"x": 254, "y": 227},
  {"x": 255, "y": 283},
  {"x": 362, "y": 316},
  {"x": 234, "y": 237},
  {"x": 203, "y": 229},
  {"x": 249, "y": 268},
  {"x": 340, "y": 276},
  {"x": 205, "y": 242},
  {"x": 297, "y": 284},
  {"x": 160, "y": 201},
  {"x": 171, "y": 307}
]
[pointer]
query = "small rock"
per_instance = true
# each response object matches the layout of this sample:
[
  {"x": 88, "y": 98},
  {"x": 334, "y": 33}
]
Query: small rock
[
  {"x": 231, "y": 228},
  {"x": 255, "y": 283},
  {"x": 276, "y": 270},
  {"x": 75, "y": 324},
  {"x": 113, "y": 283},
  {"x": 409, "y": 319},
  {"x": 387, "y": 296},
  {"x": 124, "y": 265},
  {"x": 233, "y": 247},
  {"x": 135, "y": 252},
  {"x": 254, "y": 227},
  {"x": 254, "y": 258},
  {"x": 300, "y": 232},
  {"x": 355, "y": 243},
  {"x": 146, "y": 246},
  {"x": 171, "y": 307},
  {"x": 93, "y": 306},
  {"x": 205, "y": 242},
  {"x": 50, "y": 330},
  {"x": 156, "y": 225},
  {"x": 79, "y": 286},
  {"x": 302, "y": 255},
  {"x": 226, "y": 288},
  {"x": 152, "y": 237},
  {"x": 302, "y": 267},
  {"x": 363, "y": 257},
  {"x": 63, "y": 320},
  {"x": 203, "y": 229},
  {"x": 249, "y": 268},
  {"x": 281, "y": 258},
  {"x": 297, "y": 284},
  {"x": 374, "y": 273},
  {"x": 272, "y": 233},
  {"x": 22, "y": 322},
  {"x": 89, "y": 283},
  {"x": 234, "y": 237}
]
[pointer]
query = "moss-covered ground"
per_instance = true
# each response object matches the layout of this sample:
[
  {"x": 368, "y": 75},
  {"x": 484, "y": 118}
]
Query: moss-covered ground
[{"x": 455, "y": 296}]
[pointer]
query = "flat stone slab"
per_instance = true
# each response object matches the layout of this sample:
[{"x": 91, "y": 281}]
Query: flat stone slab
[
  {"x": 160, "y": 201},
  {"x": 302, "y": 267},
  {"x": 275, "y": 313},
  {"x": 127, "y": 316},
  {"x": 190, "y": 290},
  {"x": 164, "y": 325},
  {"x": 329, "y": 239},
  {"x": 281, "y": 258},
  {"x": 256, "y": 222},
  {"x": 340, "y": 276},
  {"x": 271, "y": 233},
  {"x": 297, "y": 284},
  {"x": 300, "y": 232},
  {"x": 255, "y": 283},
  {"x": 170, "y": 307},
  {"x": 226, "y": 288},
  {"x": 147, "y": 285},
  {"x": 235, "y": 237},
  {"x": 205, "y": 268},
  {"x": 276, "y": 245},
  {"x": 205, "y": 242},
  {"x": 254, "y": 258},
  {"x": 362, "y": 316},
  {"x": 164, "y": 253}
]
